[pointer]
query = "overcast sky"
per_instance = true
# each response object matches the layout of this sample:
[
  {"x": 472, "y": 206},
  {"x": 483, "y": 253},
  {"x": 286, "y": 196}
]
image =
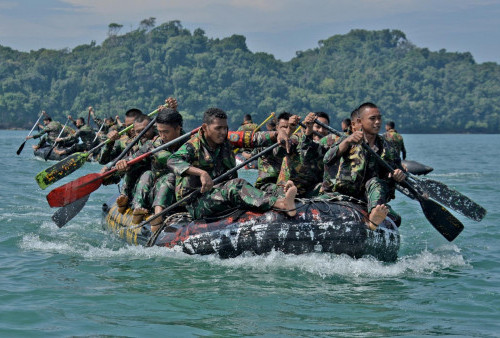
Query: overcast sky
[{"x": 278, "y": 27}]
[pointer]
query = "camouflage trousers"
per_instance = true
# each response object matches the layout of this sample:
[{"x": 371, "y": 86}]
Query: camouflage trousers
[
  {"x": 149, "y": 192},
  {"x": 235, "y": 193},
  {"x": 376, "y": 192}
]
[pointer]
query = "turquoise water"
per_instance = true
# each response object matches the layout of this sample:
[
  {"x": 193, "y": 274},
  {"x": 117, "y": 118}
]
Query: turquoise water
[{"x": 81, "y": 281}]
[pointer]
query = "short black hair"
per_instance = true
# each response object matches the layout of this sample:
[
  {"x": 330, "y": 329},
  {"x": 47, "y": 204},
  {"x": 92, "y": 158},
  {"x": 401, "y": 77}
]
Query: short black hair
[
  {"x": 391, "y": 124},
  {"x": 272, "y": 124},
  {"x": 354, "y": 114},
  {"x": 47, "y": 118},
  {"x": 212, "y": 113},
  {"x": 247, "y": 117},
  {"x": 169, "y": 116},
  {"x": 365, "y": 106},
  {"x": 284, "y": 116},
  {"x": 347, "y": 121},
  {"x": 323, "y": 115},
  {"x": 142, "y": 118},
  {"x": 134, "y": 112},
  {"x": 81, "y": 119}
]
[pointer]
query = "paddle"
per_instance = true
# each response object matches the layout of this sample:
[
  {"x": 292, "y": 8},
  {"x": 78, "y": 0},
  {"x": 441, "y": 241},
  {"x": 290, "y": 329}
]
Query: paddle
[
  {"x": 194, "y": 193},
  {"x": 21, "y": 147},
  {"x": 47, "y": 154},
  {"x": 258, "y": 127},
  {"x": 97, "y": 134},
  {"x": 65, "y": 214},
  {"x": 440, "y": 218},
  {"x": 443, "y": 194},
  {"x": 72, "y": 163},
  {"x": 83, "y": 186}
]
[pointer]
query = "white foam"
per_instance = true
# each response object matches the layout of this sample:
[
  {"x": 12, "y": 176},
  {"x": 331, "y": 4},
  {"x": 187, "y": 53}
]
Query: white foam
[{"x": 324, "y": 265}]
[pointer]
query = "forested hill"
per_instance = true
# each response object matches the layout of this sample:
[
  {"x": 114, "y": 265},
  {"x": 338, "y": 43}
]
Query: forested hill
[{"x": 422, "y": 91}]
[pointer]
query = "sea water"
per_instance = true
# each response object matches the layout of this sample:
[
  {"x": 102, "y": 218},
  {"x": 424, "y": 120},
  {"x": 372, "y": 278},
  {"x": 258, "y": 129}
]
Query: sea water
[{"x": 81, "y": 281}]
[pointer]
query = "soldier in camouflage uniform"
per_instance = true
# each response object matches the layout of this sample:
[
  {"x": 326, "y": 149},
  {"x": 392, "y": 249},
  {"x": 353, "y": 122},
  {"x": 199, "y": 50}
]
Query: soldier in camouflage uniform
[
  {"x": 156, "y": 186},
  {"x": 85, "y": 133},
  {"x": 303, "y": 163},
  {"x": 269, "y": 164},
  {"x": 51, "y": 129},
  {"x": 331, "y": 169},
  {"x": 391, "y": 135},
  {"x": 360, "y": 176},
  {"x": 210, "y": 154},
  {"x": 133, "y": 173},
  {"x": 324, "y": 118},
  {"x": 247, "y": 124},
  {"x": 118, "y": 143}
]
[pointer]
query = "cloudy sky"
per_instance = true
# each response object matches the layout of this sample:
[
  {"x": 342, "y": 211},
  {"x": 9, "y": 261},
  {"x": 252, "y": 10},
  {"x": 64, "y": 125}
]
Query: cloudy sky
[{"x": 278, "y": 27}]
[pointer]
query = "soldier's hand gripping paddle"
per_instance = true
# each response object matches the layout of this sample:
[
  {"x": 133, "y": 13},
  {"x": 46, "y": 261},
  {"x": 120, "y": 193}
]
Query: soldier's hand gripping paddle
[
  {"x": 440, "y": 218},
  {"x": 72, "y": 163},
  {"x": 83, "y": 186}
]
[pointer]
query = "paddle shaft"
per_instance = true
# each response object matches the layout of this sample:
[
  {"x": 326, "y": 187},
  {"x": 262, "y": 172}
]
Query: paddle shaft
[
  {"x": 55, "y": 142},
  {"x": 31, "y": 131},
  {"x": 97, "y": 134},
  {"x": 194, "y": 193}
]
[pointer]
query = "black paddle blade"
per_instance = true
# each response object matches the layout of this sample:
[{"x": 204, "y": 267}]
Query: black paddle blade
[
  {"x": 47, "y": 154},
  {"x": 452, "y": 199},
  {"x": 441, "y": 219},
  {"x": 21, "y": 147},
  {"x": 65, "y": 214}
]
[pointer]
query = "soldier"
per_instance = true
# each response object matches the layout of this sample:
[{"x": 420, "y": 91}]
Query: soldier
[
  {"x": 156, "y": 186},
  {"x": 346, "y": 125},
  {"x": 208, "y": 155},
  {"x": 51, "y": 129},
  {"x": 303, "y": 162},
  {"x": 331, "y": 169},
  {"x": 359, "y": 175},
  {"x": 391, "y": 135},
  {"x": 269, "y": 164},
  {"x": 118, "y": 143},
  {"x": 324, "y": 118},
  {"x": 134, "y": 173},
  {"x": 85, "y": 133},
  {"x": 247, "y": 124}
]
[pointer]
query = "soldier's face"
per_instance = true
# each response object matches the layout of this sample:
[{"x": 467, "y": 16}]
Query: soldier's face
[
  {"x": 283, "y": 125},
  {"x": 320, "y": 129},
  {"x": 215, "y": 132},
  {"x": 140, "y": 126},
  {"x": 168, "y": 132},
  {"x": 371, "y": 120},
  {"x": 128, "y": 122}
]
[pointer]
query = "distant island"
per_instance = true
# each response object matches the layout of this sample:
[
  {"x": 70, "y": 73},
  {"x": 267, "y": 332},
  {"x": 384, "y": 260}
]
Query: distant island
[{"x": 422, "y": 91}]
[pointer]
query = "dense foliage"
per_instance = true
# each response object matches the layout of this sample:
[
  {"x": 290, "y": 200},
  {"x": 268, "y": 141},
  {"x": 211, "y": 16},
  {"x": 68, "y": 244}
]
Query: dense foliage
[{"x": 422, "y": 91}]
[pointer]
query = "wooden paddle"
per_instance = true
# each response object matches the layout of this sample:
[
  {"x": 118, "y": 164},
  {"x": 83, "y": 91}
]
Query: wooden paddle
[
  {"x": 72, "y": 163},
  {"x": 440, "y": 218},
  {"x": 21, "y": 147},
  {"x": 193, "y": 194},
  {"x": 83, "y": 186},
  {"x": 47, "y": 154}
]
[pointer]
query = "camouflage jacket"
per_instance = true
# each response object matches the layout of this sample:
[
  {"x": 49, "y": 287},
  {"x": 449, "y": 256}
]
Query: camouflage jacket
[
  {"x": 197, "y": 153},
  {"x": 397, "y": 141},
  {"x": 269, "y": 166},
  {"x": 329, "y": 170},
  {"x": 248, "y": 127},
  {"x": 303, "y": 165},
  {"x": 357, "y": 166},
  {"x": 112, "y": 149},
  {"x": 52, "y": 130},
  {"x": 85, "y": 133},
  {"x": 158, "y": 161}
]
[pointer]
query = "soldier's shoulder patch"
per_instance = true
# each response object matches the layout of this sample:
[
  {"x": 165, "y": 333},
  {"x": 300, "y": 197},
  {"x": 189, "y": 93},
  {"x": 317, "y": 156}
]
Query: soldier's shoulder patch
[{"x": 234, "y": 137}]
